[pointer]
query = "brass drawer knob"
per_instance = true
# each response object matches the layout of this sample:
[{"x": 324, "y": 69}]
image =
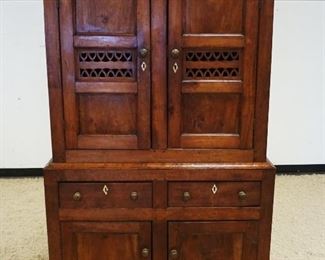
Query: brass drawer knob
[
  {"x": 76, "y": 196},
  {"x": 175, "y": 53},
  {"x": 242, "y": 195},
  {"x": 145, "y": 252},
  {"x": 134, "y": 195},
  {"x": 186, "y": 196},
  {"x": 173, "y": 253}
]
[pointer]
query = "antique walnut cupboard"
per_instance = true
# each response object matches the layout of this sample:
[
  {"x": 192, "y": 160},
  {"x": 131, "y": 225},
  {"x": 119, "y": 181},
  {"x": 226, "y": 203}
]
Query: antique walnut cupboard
[{"x": 159, "y": 126}]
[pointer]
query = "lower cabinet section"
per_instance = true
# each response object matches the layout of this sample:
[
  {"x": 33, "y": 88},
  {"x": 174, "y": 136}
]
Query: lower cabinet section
[
  {"x": 106, "y": 241},
  {"x": 114, "y": 213},
  {"x": 230, "y": 240}
]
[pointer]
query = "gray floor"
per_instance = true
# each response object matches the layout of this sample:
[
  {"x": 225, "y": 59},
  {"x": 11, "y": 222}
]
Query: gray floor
[{"x": 298, "y": 229}]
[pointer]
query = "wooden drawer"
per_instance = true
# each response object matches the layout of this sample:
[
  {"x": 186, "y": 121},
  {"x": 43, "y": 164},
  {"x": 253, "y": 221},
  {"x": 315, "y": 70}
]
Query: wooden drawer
[
  {"x": 106, "y": 195},
  {"x": 213, "y": 194}
]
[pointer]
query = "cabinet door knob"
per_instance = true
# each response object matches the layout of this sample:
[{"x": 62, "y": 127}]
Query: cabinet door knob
[
  {"x": 175, "y": 53},
  {"x": 144, "y": 52},
  {"x": 186, "y": 196},
  {"x": 145, "y": 252},
  {"x": 242, "y": 195},
  {"x": 76, "y": 196},
  {"x": 173, "y": 253},
  {"x": 134, "y": 195}
]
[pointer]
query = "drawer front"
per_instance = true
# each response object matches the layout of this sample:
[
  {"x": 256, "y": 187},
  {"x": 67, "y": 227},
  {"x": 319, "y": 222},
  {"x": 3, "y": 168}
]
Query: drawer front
[
  {"x": 105, "y": 195},
  {"x": 213, "y": 194}
]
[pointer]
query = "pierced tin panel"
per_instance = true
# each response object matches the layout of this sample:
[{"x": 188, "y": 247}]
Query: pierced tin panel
[
  {"x": 105, "y": 56},
  {"x": 106, "y": 73},
  {"x": 212, "y": 64},
  {"x": 107, "y": 65}
]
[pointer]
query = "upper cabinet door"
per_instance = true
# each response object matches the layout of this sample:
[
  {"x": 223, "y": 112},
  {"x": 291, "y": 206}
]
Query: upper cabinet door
[
  {"x": 212, "y": 58},
  {"x": 105, "y": 51}
]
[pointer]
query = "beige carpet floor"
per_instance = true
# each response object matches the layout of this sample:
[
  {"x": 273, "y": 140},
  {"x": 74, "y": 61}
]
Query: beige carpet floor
[{"x": 298, "y": 229}]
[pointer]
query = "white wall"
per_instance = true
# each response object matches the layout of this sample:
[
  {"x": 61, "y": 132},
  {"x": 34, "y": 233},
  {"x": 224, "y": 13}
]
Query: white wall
[
  {"x": 25, "y": 131},
  {"x": 297, "y": 112},
  {"x": 297, "y": 107}
]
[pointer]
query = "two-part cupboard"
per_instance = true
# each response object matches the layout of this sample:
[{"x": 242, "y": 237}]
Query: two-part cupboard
[{"x": 159, "y": 127}]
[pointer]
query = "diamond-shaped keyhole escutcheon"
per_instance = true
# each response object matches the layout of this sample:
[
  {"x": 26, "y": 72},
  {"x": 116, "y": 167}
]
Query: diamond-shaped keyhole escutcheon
[
  {"x": 105, "y": 190},
  {"x": 175, "y": 67},
  {"x": 214, "y": 189},
  {"x": 143, "y": 66}
]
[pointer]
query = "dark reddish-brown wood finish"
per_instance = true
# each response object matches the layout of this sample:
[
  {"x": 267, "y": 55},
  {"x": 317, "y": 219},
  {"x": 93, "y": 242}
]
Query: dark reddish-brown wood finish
[
  {"x": 209, "y": 107},
  {"x": 215, "y": 46},
  {"x": 116, "y": 195},
  {"x": 53, "y": 58},
  {"x": 107, "y": 241},
  {"x": 263, "y": 79},
  {"x": 100, "y": 48},
  {"x": 159, "y": 127},
  {"x": 229, "y": 240},
  {"x": 213, "y": 194},
  {"x": 158, "y": 74},
  {"x": 257, "y": 180}
]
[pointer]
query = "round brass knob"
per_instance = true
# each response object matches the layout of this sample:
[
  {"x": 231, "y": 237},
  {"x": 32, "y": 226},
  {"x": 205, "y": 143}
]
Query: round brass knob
[
  {"x": 134, "y": 195},
  {"x": 145, "y": 252},
  {"x": 186, "y": 196},
  {"x": 144, "y": 52},
  {"x": 173, "y": 253},
  {"x": 175, "y": 53},
  {"x": 76, "y": 196},
  {"x": 242, "y": 195}
]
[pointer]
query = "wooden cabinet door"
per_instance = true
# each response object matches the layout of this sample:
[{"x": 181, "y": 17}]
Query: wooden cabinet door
[
  {"x": 213, "y": 240},
  {"x": 106, "y": 241},
  {"x": 212, "y": 59},
  {"x": 105, "y": 52}
]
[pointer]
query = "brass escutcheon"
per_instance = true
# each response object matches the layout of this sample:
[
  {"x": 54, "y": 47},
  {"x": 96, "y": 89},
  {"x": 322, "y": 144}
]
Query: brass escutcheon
[
  {"x": 105, "y": 190},
  {"x": 175, "y": 67},
  {"x": 214, "y": 189},
  {"x": 143, "y": 66}
]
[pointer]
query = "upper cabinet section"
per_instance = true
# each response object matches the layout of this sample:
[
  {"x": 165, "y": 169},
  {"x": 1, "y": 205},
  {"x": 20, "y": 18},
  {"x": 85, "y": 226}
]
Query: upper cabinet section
[{"x": 159, "y": 80}]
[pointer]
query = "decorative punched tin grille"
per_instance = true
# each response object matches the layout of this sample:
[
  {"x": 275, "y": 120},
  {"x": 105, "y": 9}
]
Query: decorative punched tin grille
[
  {"x": 105, "y": 56},
  {"x": 105, "y": 73},
  {"x": 106, "y": 65},
  {"x": 210, "y": 64}
]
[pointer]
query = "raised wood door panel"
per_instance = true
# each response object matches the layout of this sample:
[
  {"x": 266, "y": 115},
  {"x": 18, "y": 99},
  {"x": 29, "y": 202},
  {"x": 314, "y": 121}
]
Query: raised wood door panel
[
  {"x": 212, "y": 60},
  {"x": 231, "y": 240},
  {"x": 105, "y": 49},
  {"x": 106, "y": 241}
]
